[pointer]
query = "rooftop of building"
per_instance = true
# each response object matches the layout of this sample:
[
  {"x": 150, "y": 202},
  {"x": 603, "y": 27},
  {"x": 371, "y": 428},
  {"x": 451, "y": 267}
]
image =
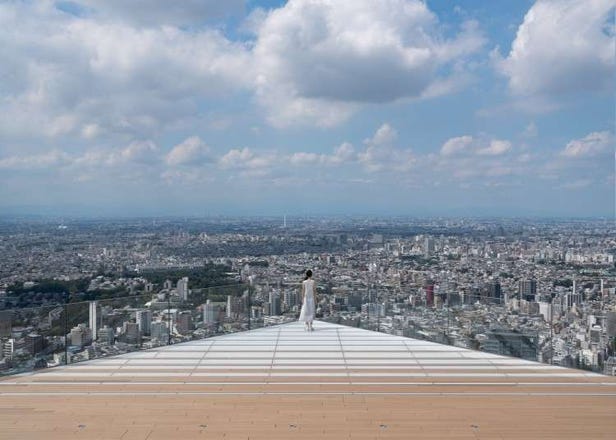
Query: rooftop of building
[{"x": 283, "y": 382}]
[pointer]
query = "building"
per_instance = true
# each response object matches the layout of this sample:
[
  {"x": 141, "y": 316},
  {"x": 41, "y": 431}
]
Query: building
[
  {"x": 210, "y": 313},
  {"x": 6, "y": 318},
  {"x": 80, "y": 335},
  {"x": 144, "y": 321},
  {"x": 506, "y": 343},
  {"x": 429, "y": 289},
  {"x": 8, "y": 347},
  {"x": 184, "y": 323},
  {"x": 92, "y": 319},
  {"x": 235, "y": 306},
  {"x": 34, "y": 343},
  {"x": 106, "y": 335},
  {"x": 291, "y": 299},
  {"x": 275, "y": 308},
  {"x": 429, "y": 246},
  {"x": 494, "y": 292},
  {"x": 160, "y": 331},
  {"x": 182, "y": 288},
  {"x": 131, "y": 333},
  {"x": 527, "y": 289}
]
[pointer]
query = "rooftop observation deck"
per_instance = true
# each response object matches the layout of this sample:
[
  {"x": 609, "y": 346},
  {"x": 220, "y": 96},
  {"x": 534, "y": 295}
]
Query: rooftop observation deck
[{"x": 282, "y": 382}]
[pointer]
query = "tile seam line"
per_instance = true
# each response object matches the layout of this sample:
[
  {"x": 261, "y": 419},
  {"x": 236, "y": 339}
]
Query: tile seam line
[
  {"x": 332, "y": 393},
  {"x": 346, "y": 365},
  {"x": 202, "y": 357}
]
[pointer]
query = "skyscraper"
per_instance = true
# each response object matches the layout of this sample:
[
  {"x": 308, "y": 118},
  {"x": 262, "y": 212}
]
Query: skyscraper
[
  {"x": 429, "y": 288},
  {"x": 528, "y": 289},
  {"x": 210, "y": 313},
  {"x": 144, "y": 321},
  {"x": 182, "y": 288},
  {"x": 92, "y": 321}
]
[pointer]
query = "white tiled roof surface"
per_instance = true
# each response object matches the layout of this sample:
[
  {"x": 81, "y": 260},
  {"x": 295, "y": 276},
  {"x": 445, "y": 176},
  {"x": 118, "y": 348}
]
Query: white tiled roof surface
[{"x": 285, "y": 367}]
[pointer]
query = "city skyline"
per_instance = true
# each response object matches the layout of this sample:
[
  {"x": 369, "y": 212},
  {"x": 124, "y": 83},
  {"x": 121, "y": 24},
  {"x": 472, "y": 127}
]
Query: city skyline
[{"x": 397, "y": 107}]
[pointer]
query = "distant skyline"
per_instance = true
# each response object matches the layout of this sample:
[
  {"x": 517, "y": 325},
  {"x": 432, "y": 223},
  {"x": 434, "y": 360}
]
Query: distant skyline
[{"x": 360, "y": 107}]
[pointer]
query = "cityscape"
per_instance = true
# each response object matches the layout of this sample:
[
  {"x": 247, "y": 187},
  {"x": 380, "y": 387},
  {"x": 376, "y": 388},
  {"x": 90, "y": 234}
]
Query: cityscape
[
  {"x": 541, "y": 290},
  {"x": 307, "y": 219}
]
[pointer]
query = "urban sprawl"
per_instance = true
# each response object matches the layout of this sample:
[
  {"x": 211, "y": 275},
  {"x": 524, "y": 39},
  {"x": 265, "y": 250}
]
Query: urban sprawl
[{"x": 77, "y": 289}]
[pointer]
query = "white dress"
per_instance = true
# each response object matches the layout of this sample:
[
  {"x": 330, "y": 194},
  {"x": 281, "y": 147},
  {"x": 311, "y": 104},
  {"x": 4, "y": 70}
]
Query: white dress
[{"x": 307, "y": 313}]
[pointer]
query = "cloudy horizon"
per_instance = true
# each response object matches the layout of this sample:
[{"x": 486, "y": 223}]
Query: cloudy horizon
[{"x": 395, "y": 107}]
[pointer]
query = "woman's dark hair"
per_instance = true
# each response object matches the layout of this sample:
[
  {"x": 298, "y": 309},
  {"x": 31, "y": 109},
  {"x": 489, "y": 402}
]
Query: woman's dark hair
[{"x": 308, "y": 274}]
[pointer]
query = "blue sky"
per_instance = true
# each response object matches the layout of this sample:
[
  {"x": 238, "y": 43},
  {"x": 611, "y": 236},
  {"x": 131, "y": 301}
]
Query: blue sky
[{"x": 204, "y": 107}]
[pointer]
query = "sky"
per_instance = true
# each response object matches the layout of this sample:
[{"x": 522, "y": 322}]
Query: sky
[{"x": 307, "y": 107}]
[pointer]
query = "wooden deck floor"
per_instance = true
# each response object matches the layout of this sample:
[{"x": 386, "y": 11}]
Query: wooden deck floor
[{"x": 281, "y": 382}]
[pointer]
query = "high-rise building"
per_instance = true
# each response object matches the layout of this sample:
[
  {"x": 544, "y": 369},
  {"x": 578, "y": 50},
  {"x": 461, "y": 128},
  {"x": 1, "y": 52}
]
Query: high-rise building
[
  {"x": 494, "y": 291},
  {"x": 429, "y": 289},
  {"x": 106, "y": 335},
  {"x": 184, "y": 322},
  {"x": 182, "y": 288},
  {"x": 92, "y": 319},
  {"x": 235, "y": 306},
  {"x": 610, "y": 324},
  {"x": 429, "y": 246},
  {"x": 160, "y": 331},
  {"x": 8, "y": 348},
  {"x": 131, "y": 333},
  {"x": 34, "y": 343},
  {"x": 6, "y": 318},
  {"x": 144, "y": 321},
  {"x": 527, "y": 289},
  {"x": 291, "y": 299},
  {"x": 210, "y": 313},
  {"x": 80, "y": 335}
]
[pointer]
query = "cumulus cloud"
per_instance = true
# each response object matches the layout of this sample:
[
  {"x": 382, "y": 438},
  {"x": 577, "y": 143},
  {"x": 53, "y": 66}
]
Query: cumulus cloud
[
  {"x": 562, "y": 47},
  {"x": 591, "y": 145},
  {"x": 245, "y": 158},
  {"x": 465, "y": 145},
  {"x": 381, "y": 154},
  {"x": 456, "y": 145},
  {"x": 495, "y": 148},
  {"x": 318, "y": 60},
  {"x": 344, "y": 153},
  {"x": 38, "y": 161},
  {"x": 162, "y": 12},
  {"x": 64, "y": 74},
  {"x": 192, "y": 151}
]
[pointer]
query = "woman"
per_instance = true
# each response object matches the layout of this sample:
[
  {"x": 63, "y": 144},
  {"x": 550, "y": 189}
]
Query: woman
[{"x": 307, "y": 313}]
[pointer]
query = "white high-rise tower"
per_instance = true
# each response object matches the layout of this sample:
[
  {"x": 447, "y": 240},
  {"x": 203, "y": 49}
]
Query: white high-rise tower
[{"x": 93, "y": 322}]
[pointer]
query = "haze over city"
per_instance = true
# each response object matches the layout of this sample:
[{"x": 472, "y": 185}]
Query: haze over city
[{"x": 307, "y": 107}]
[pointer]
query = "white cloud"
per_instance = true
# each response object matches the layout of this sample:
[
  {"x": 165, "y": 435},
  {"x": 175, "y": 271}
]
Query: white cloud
[
  {"x": 68, "y": 75},
  {"x": 344, "y": 153},
  {"x": 318, "y": 60},
  {"x": 465, "y": 145},
  {"x": 245, "y": 159},
  {"x": 162, "y": 12},
  {"x": 139, "y": 152},
  {"x": 38, "y": 161},
  {"x": 456, "y": 145},
  {"x": 381, "y": 155},
  {"x": 591, "y": 145},
  {"x": 192, "y": 151},
  {"x": 530, "y": 131},
  {"x": 495, "y": 148},
  {"x": 577, "y": 184},
  {"x": 563, "y": 46}
]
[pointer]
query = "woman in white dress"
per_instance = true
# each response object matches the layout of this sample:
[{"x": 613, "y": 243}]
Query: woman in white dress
[{"x": 308, "y": 302}]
